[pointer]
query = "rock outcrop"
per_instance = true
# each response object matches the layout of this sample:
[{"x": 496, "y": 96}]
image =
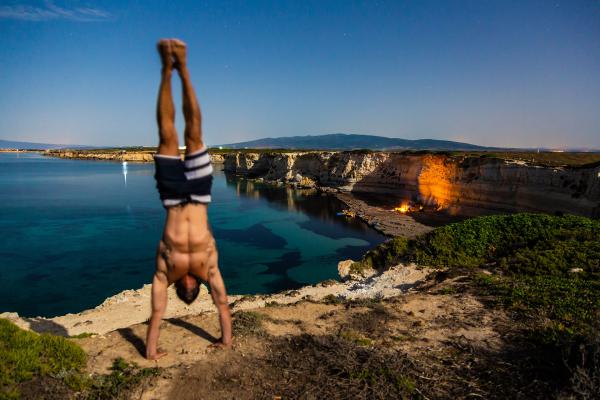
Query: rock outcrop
[
  {"x": 130, "y": 156},
  {"x": 137, "y": 156},
  {"x": 466, "y": 185}
]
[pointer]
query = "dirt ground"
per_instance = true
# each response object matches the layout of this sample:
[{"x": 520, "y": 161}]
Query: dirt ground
[{"x": 437, "y": 342}]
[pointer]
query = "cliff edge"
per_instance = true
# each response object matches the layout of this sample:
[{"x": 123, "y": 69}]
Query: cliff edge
[{"x": 458, "y": 184}]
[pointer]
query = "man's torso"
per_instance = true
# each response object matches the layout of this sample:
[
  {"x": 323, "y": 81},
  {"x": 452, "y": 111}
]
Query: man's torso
[{"x": 187, "y": 245}]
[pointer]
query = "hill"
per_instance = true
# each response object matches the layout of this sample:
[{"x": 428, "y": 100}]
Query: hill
[
  {"x": 342, "y": 141},
  {"x": 12, "y": 144}
]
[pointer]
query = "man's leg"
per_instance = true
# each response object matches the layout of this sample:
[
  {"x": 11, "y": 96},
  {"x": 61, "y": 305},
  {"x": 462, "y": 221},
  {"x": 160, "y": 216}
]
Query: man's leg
[
  {"x": 165, "y": 109},
  {"x": 191, "y": 109}
]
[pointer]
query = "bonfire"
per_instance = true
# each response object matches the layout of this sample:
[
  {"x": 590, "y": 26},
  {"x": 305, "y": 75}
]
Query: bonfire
[{"x": 407, "y": 207}]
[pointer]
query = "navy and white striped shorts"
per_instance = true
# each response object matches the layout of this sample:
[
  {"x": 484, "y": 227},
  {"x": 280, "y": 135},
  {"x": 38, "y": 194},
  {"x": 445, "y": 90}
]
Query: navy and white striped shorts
[{"x": 184, "y": 181}]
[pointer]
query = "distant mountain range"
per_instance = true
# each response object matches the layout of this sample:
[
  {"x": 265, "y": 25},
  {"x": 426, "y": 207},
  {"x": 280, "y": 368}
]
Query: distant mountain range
[
  {"x": 335, "y": 141},
  {"x": 11, "y": 144},
  {"x": 342, "y": 141}
]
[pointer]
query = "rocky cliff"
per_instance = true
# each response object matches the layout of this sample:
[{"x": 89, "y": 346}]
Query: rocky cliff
[{"x": 467, "y": 185}]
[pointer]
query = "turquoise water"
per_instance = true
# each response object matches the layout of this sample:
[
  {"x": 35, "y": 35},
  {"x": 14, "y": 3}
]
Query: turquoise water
[{"x": 75, "y": 232}]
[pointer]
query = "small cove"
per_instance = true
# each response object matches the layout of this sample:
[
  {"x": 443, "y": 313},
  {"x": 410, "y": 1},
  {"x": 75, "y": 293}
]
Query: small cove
[{"x": 76, "y": 232}]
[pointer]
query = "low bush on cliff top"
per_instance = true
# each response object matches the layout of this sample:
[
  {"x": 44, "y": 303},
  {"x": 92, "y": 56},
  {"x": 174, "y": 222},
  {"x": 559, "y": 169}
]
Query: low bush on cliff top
[
  {"x": 544, "y": 264},
  {"x": 528, "y": 244},
  {"x": 36, "y": 366},
  {"x": 544, "y": 269},
  {"x": 26, "y": 355}
]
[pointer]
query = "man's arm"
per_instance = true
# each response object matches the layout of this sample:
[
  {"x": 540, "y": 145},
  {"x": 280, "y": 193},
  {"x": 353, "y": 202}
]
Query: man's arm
[{"x": 159, "y": 305}]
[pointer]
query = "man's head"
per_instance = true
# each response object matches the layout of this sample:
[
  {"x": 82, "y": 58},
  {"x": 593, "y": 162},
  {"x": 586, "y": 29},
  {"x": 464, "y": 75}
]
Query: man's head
[{"x": 187, "y": 289}]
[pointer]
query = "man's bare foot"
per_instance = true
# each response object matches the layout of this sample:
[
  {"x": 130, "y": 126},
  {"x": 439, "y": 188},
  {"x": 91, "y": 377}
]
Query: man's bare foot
[
  {"x": 155, "y": 357},
  {"x": 165, "y": 50},
  {"x": 178, "y": 49}
]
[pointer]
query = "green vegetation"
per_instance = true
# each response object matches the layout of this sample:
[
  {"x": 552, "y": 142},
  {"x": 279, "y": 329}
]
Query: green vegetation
[
  {"x": 545, "y": 265},
  {"x": 448, "y": 290},
  {"x": 123, "y": 378},
  {"x": 82, "y": 335},
  {"x": 133, "y": 149},
  {"x": 25, "y": 355},
  {"x": 331, "y": 299},
  {"x": 529, "y": 244},
  {"x": 45, "y": 362},
  {"x": 544, "y": 269},
  {"x": 570, "y": 305},
  {"x": 372, "y": 376},
  {"x": 401, "y": 338},
  {"x": 248, "y": 323},
  {"x": 545, "y": 159},
  {"x": 382, "y": 256},
  {"x": 216, "y": 150},
  {"x": 355, "y": 337}
]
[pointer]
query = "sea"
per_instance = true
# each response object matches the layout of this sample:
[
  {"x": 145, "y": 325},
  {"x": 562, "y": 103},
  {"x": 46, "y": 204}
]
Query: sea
[{"x": 74, "y": 232}]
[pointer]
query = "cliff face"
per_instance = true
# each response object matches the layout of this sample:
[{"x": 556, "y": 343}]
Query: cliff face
[
  {"x": 140, "y": 156},
  {"x": 468, "y": 185}
]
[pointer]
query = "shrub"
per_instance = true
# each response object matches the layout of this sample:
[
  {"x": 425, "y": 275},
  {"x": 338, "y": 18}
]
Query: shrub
[
  {"x": 248, "y": 323},
  {"x": 382, "y": 256},
  {"x": 548, "y": 266},
  {"x": 26, "y": 355},
  {"x": 530, "y": 244},
  {"x": 124, "y": 377}
]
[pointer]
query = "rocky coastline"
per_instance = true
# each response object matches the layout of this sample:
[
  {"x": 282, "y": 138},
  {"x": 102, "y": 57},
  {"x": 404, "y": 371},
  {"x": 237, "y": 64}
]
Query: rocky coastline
[
  {"x": 113, "y": 155},
  {"x": 133, "y": 306},
  {"x": 451, "y": 187},
  {"x": 457, "y": 185}
]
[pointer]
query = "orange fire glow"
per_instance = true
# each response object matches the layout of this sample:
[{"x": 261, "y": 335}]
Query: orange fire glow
[
  {"x": 402, "y": 209},
  {"x": 435, "y": 182}
]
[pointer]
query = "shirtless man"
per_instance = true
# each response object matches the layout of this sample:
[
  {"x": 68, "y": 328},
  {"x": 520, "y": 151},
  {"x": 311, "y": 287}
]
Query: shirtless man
[{"x": 187, "y": 252}]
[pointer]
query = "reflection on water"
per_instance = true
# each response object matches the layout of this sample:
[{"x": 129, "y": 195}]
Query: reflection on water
[
  {"x": 301, "y": 239},
  {"x": 76, "y": 232},
  {"x": 322, "y": 206},
  {"x": 125, "y": 172}
]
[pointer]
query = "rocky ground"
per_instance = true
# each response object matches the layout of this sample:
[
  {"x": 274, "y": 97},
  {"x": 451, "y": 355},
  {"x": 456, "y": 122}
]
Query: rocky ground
[
  {"x": 132, "y": 307},
  {"x": 383, "y": 219},
  {"x": 407, "y": 333}
]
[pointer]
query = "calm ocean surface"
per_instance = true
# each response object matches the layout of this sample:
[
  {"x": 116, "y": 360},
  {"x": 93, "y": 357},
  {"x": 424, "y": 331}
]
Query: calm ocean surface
[{"x": 75, "y": 232}]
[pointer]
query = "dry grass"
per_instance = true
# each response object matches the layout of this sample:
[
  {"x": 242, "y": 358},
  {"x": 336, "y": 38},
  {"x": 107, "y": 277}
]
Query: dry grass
[{"x": 547, "y": 159}]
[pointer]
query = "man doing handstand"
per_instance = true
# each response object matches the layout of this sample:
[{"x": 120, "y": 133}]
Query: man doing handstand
[{"x": 187, "y": 252}]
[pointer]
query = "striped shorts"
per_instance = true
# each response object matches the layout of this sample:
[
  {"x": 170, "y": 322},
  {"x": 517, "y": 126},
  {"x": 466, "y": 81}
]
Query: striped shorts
[{"x": 184, "y": 181}]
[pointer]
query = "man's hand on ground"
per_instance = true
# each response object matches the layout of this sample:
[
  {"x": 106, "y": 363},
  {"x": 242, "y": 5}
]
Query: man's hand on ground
[{"x": 157, "y": 356}]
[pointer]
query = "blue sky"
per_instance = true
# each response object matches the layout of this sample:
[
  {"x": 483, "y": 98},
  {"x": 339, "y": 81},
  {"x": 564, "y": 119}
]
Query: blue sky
[{"x": 503, "y": 73}]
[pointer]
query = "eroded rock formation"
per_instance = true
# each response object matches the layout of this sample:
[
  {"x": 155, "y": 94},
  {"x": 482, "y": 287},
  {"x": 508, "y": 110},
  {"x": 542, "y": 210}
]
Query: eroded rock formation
[
  {"x": 459, "y": 184},
  {"x": 468, "y": 185}
]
